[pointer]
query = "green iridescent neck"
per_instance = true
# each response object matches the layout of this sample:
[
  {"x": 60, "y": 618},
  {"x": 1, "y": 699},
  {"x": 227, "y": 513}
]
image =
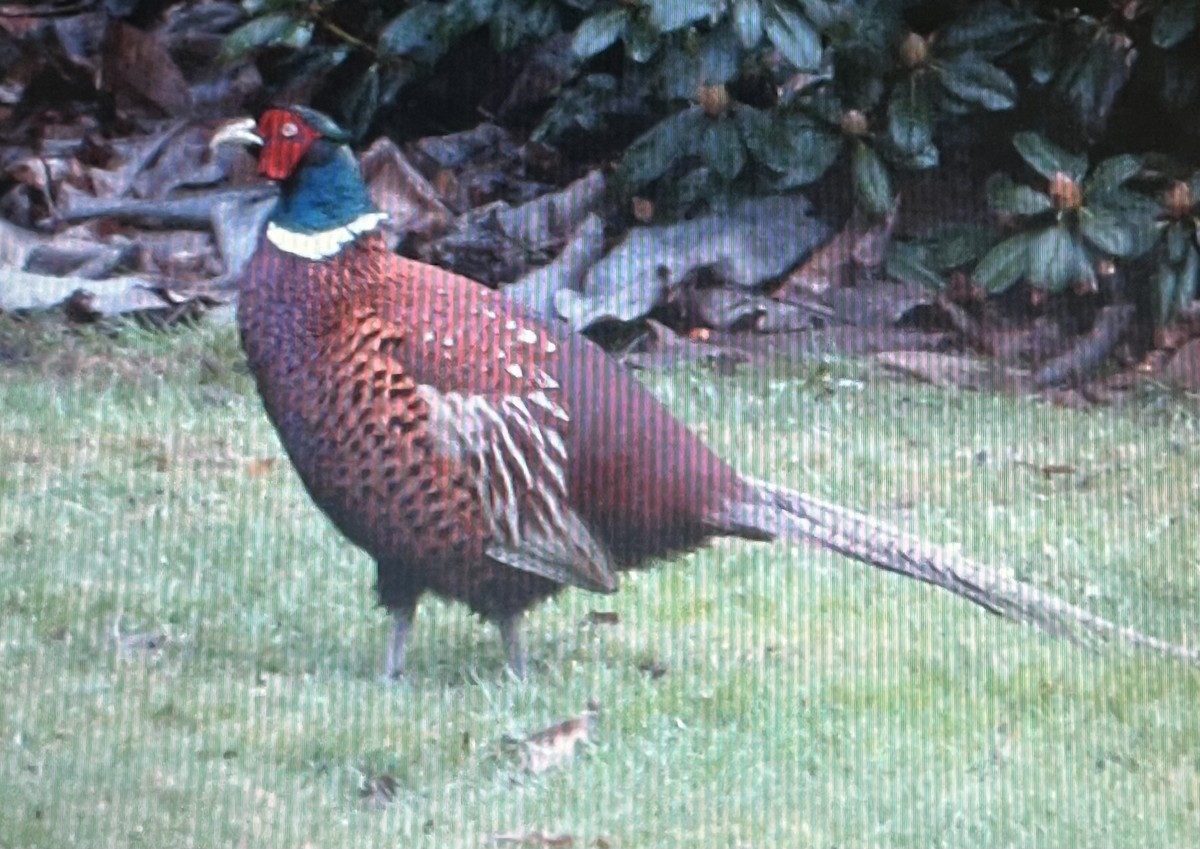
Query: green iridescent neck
[{"x": 323, "y": 195}]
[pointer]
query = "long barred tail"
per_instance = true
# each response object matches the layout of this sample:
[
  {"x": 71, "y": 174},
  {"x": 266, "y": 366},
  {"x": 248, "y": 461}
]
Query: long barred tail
[{"x": 802, "y": 517}]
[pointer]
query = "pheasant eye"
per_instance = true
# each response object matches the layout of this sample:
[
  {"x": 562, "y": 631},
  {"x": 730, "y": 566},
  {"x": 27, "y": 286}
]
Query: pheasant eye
[{"x": 289, "y": 130}]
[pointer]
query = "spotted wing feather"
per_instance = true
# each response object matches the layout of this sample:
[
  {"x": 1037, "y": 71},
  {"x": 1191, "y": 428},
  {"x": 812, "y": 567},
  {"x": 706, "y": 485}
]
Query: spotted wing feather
[{"x": 517, "y": 461}]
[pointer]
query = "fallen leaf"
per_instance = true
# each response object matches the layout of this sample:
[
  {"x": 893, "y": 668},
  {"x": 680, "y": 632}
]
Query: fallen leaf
[
  {"x": 556, "y": 745},
  {"x": 377, "y": 791},
  {"x": 536, "y": 290},
  {"x": 140, "y": 72},
  {"x": 861, "y": 244},
  {"x": 952, "y": 370},
  {"x": 756, "y": 241},
  {"x": 652, "y": 667},
  {"x": 549, "y": 217},
  {"x": 1183, "y": 370},
  {"x": 260, "y": 466},
  {"x": 397, "y": 188},
  {"x": 602, "y": 617},
  {"x": 132, "y": 645}
]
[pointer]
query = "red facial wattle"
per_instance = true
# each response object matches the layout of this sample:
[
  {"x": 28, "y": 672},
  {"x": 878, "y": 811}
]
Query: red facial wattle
[{"x": 286, "y": 138}]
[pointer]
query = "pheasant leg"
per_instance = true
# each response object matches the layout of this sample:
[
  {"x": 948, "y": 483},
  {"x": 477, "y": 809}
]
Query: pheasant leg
[
  {"x": 397, "y": 646},
  {"x": 514, "y": 645}
]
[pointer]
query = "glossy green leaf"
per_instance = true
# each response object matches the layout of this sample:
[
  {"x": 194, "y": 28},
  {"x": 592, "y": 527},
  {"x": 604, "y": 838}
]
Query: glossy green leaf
[
  {"x": 670, "y": 15},
  {"x": 1043, "y": 58},
  {"x": 697, "y": 185},
  {"x": 822, "y": 14},
  {"x": 1093, "y": 75},
  {"x": 973, "y": 79},
  {"x": 763, "y": 135},
  {"x": 656, "y": 150},
  {"x": 1144, "y": 232},
  {"x": 794, "y": 146},
  {"x": 958, "y": 245},
  {"x": 311, "y": 64},
  {"x": 1004, "y": 264},
  {"x": 824, "y": 152},
  {"x": 413, "y": 33},
  {"x": 1056, "y": 260},
  {"x": 910, "y": 116},
  {"x": 927, "y": 157},
  {"x": 1189, "y": 279},
  {"x": 513, "y": 25},
  {"x": 257, "y": 32},
  {"x": 909, "y": 263},
  {"x": 599, "y": 32},
  {"x": 459, "y": 17},
  {"x": 1010, "y": 198},
  {"x": 683, "y": 71},
  {"x": 584, "y": 105},
  {"x": 872, "y": 185},
  {"x": 722, "y": 149},
  {"x": 1178, "y": 240},
  {"x": 1106, "y": 232},
  {"x": 359, "y": 107},
  {"x": 1176, "y": 285},
  {"x": 748, "y": 22},
  {"x": 641, "y": 41},
  {"x": 1166, "y": 284},
  {"x": 794, "y": 38},
  {"x": 1110, "y": 175},
  {"x": 993, "y": 28},
  {"x": 1137, "y": 212},
  {"x": 1047, "y": 158},
  {"x": 1175, "y": 21}
]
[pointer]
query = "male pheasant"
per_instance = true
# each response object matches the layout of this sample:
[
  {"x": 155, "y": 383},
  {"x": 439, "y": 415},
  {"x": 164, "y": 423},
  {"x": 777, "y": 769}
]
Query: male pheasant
[{"x": 471, "y": 449}]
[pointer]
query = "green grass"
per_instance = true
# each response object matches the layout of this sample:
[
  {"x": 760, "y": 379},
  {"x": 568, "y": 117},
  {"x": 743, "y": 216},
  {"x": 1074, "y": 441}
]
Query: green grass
[{"x": 806, "y": 700}]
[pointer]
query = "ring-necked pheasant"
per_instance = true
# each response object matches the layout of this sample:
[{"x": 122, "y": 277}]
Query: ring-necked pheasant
[{"x": 474, "y": 451}]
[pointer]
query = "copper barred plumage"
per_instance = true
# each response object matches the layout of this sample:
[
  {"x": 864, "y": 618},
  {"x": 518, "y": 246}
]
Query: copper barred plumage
[{"x": 472, "y": 450}]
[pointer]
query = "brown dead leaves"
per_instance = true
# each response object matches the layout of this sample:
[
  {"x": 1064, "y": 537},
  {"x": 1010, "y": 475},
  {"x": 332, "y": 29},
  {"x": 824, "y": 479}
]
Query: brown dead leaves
[{"x": 554, "y": 746}]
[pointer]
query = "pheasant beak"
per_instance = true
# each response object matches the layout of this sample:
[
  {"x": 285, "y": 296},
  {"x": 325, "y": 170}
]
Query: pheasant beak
[{"x": 239, "y": 131}]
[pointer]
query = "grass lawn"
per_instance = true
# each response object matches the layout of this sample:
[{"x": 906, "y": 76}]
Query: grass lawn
[{"x": 749, "y": 695}]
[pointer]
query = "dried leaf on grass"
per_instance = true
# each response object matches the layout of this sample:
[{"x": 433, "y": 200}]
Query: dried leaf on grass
[
  {"x": 131, "y": 645},
  {"x": 953, "y": 371},
  {"x": 554, "y": 746},
  {"x": 139, "y": 644},
  {"x": 377, "y": 791},
  {"x": 91, "y": 299},
  {"x": 603, "y": 617},
  {"x": 1183, "y": 369},
  {"x": 662, "y": 348},
  {"x": 882, "y": 304},
  {"x": 259, "y": 467},
  {"x": 653, "y": 667}
]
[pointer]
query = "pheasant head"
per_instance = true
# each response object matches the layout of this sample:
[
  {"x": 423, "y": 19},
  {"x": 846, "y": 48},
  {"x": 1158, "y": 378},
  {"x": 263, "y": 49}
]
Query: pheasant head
[{"x": 323, "y": 202}]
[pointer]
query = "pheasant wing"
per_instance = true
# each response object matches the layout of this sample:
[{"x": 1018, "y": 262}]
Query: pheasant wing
[
  {"x": 517, "y": 464},
  {"x": 487, "y": 467}
]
